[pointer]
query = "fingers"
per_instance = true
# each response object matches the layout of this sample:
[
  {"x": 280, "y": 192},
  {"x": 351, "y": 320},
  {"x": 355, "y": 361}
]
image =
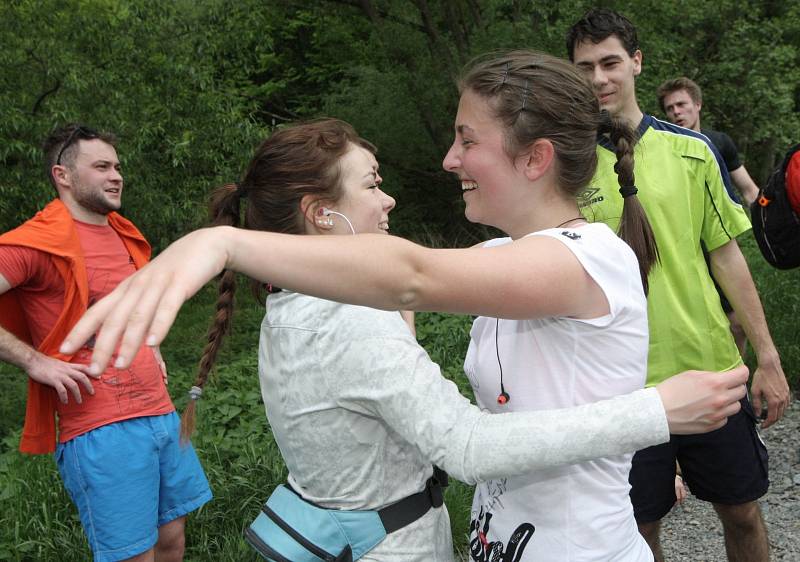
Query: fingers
[
  {"x": 70, "y": 382},
  {"x": 90, "y": 322},
  {"x": 150, "y": 321},
  {"x": 81, "y": 378},
  {"x": 62, "y": 392},
  {"x": 83, "y": 369},
  {"x": 143, "y": 306},
  {"x": 782, "y": 401},
  {"x": 73, "y": 388},
  {"x": 129, "y": 318},
  {"x": 165, "y": 315},
  {"x": 775, "y": 412},
  {"x": 732, "y": 408},
  {"x": 758, "y": 407},
  {"x": 767, "y": 409},
  {"x": 737, "y": 376}
]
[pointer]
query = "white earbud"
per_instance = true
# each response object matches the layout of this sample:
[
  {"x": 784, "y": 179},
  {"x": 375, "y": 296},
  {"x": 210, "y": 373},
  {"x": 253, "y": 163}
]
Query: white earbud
[{"x": 327, "y": 212}]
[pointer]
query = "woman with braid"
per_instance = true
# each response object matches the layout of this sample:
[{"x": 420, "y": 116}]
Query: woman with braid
[{"x": 357, "y": 408}]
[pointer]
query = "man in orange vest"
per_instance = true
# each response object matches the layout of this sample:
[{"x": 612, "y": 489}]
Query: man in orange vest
[{"x": 116, "y": 445}]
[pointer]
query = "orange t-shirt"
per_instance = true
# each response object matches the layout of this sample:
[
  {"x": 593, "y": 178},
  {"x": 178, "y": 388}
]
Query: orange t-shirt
[{"x": 119, "y": 394}]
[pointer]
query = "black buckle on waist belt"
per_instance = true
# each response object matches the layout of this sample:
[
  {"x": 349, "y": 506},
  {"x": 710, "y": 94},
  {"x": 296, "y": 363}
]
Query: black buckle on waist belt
[{"x": 411, "y": 508}]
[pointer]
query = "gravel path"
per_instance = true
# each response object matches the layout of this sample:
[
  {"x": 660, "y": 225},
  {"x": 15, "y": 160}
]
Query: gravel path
[{"x": 692, "y": 532}]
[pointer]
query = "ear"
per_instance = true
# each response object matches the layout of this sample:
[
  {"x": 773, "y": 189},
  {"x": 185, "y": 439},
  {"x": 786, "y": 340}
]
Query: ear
[
  {"x": 61, "y": 177},
  {"x": 637, "y": 62},
  {"x": 314, "y": 219},
  {"x": 538, "y": 159}
]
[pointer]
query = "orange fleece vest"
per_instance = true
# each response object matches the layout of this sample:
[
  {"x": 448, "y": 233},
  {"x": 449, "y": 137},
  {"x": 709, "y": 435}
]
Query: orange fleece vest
[{"x": 52, "y": 230}]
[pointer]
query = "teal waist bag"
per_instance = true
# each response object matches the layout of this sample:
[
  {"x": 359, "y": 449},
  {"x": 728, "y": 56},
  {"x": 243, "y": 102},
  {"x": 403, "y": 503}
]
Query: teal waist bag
[{"x": 292, "y": 529}]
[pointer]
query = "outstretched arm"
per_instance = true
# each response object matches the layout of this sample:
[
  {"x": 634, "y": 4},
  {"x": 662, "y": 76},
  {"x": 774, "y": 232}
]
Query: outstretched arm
[
  {"x": 533, "y": 277},
  {"x": 473, "y": 445}
]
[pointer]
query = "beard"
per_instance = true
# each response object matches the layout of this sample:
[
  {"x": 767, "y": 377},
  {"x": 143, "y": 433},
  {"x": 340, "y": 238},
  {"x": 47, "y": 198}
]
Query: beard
[{"x": 95, "y": 201}]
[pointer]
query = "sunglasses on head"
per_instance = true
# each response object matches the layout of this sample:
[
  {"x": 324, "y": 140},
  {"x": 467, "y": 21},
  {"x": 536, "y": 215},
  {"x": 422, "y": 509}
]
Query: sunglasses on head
[{"x": 78, "y": 133}]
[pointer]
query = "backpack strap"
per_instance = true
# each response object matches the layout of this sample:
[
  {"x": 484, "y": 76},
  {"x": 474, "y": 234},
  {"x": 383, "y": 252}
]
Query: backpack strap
[
  {"x": 411, "y": 508},
  {"x": 776, "y": 184}
]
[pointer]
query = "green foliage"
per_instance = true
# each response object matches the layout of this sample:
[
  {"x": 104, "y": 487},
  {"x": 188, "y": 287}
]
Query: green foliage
[{"x": 192, "y": 87}]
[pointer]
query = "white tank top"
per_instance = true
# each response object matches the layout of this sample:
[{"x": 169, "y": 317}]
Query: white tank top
[{"x": 580, "y": 512}]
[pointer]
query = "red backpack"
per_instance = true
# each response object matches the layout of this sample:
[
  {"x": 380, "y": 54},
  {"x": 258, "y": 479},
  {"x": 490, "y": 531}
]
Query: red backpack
[{"x": 776, "y": 224}]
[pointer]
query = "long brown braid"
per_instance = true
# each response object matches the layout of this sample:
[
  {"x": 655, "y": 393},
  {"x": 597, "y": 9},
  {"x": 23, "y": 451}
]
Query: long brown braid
[
  {"x": 294, "y": 162},
  {"x": 224, "y": 211},
  {"x": 634, "y": 228}
]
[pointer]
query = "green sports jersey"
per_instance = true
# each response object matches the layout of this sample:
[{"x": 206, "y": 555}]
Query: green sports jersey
[{"x": 682, "y": 188}]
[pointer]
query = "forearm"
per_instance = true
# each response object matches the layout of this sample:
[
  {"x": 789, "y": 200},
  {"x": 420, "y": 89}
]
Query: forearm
[
  {"x": 745, "y": 184},
  {"x": 370, "y": 270},
  {"x": 731, "y": 272},
  {"x": 507, "y": 444},
  {"x": 15, "y": 351},
  {"x": 410, "y": 396},
  {"x": 379, "y": 271}
]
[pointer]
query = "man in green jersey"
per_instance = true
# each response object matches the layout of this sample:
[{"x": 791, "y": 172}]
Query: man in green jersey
[{"x": 682, "y": 187}]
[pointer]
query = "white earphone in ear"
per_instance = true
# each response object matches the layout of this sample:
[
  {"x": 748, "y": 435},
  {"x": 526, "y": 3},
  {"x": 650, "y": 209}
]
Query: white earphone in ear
[{"x": 327, "y": 213}]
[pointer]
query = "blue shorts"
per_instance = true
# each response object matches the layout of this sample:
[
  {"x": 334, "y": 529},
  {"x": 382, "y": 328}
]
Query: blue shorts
[
  {"x": 127, "y": 479},
  {"x": 727, "y": 466}
]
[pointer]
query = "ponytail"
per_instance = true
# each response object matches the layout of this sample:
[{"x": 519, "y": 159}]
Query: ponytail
[
  {"x": 224, "y": 211},
  {"x": 634, "y": 227}
]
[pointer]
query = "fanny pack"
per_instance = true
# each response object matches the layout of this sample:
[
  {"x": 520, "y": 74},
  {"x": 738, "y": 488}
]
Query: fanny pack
[{"x": 292, "y": 529}]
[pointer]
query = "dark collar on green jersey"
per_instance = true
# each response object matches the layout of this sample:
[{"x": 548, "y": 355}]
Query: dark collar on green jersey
[{"x": 644, "y": 124}]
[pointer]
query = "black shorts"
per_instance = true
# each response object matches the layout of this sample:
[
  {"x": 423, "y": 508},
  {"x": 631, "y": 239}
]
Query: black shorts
[{"x": 727, "y": 466}]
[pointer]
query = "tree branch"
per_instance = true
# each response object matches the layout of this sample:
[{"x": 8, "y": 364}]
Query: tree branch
[{"x": 41, "y": 98}]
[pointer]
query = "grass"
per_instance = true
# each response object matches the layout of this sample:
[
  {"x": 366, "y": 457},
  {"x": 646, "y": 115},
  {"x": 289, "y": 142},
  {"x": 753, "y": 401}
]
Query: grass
[{"x": 242, "y": 462}]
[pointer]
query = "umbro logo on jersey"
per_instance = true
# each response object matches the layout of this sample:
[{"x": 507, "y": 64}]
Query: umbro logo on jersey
[
  {"x": 589, "y": 196},
  {"x": 571, "y": 235}
]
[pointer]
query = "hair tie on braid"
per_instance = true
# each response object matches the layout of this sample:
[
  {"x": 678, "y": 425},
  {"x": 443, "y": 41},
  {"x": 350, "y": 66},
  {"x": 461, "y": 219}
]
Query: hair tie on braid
[
  {"x": 628, "y": 190},
  {"x": 195, "y": 393}
]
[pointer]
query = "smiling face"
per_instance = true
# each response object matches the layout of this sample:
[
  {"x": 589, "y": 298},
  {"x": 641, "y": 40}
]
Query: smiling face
[
  {"x": 682, "y": 110},
  {"x": 479, "y": 159},
  {"x": 611, "y": 70},
  {"x": 362, "y": 202},
  {"x": 93, "y": 181}
]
